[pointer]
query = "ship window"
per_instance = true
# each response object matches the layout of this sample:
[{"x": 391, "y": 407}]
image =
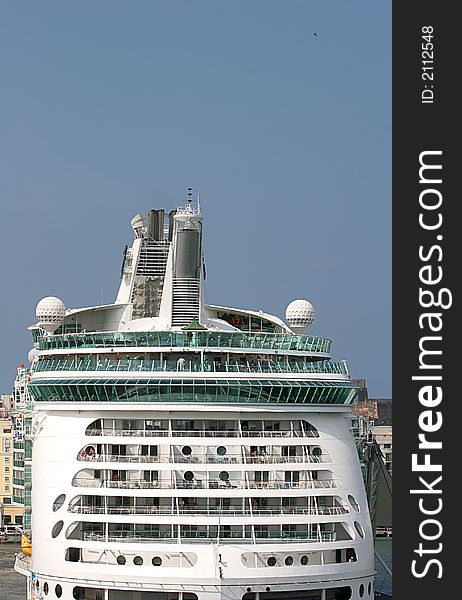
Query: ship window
[
  {"x": 316, "y": 451},
  {"x": 73, "y": 554},
  {"x": 350, "y": 555},
  {"x": 57, "y": 527},
  {"x": 221, "y": 450},
  {"x": 46, "y": 588},
  {"x": 156, "y": 561},
  {"x": 224, "y": 476},
  {"x": 121, "y": 560},
  {"x": 353, "y": 502},
  {"x": 361, "y": 591},
  {"x": 369, "y": 588},
  {"x": 189, "y": 476},
  {"x": 271, "y": 561},
  {"x": 58, "y": 590},
  {"x": 58, "y": 502},
  {"x": 359, "y": 529},
  {"x": 304, "y": 560},
  {"x": 343, "y": 593},
  {"x": 186, "y": 450},
  {"x": 289, "y": 561},
  {"x": 138, "y": 560}
]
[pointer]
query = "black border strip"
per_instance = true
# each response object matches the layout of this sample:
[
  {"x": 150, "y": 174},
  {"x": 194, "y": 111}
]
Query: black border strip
[{"x": 425, "y": 120}]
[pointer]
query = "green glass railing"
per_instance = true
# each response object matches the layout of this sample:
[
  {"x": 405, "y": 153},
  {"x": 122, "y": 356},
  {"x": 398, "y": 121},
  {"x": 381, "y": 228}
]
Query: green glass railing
[
  {"x": 195, "y": 339},
  {"x": 141, "y": 365},
  {"x": 184, "y": 390}
]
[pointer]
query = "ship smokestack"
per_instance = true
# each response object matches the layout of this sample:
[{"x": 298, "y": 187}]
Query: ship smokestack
[
  {"x": 187, "y": 241},
  {"x": 156, "y": 225}
]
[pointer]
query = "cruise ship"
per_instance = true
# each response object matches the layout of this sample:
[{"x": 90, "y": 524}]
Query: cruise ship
[{"x": 188, "y": 451}]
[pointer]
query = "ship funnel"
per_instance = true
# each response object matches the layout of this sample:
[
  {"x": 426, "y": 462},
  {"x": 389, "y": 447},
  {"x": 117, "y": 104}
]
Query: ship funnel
[
  {"x": 156, "y": 225},
  {"x": 186, "y": 281}
]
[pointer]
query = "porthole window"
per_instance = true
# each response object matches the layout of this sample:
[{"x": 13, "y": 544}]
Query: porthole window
[
  {"x": 156, "y": 561},
  {"x": 37, "y": 584},
  {"x": 369, "y": 588},
  {"x": 58, "y": 590},
  {"x": 221, "y": 450},
  {"x": 58, "y": 502},
  {"x": 361, "y": 591},
  {"x": 317, "y": 451},
  {"x": 289, "y": 561},
  {"x": 271, "y": 561},
  {"x": 224, "y": 476},
  {"x": 189, "y": 476},
  {"x": 121, "y": 560},
  {"x": 353, "y": 502},
  {"x": 46, "y": 589},
  {"x": 304, "y": 560},
  {"x": 359, "y": 529},
  {"x": 57, "y": 527},
  {"x": 187, "y": 450},
  {"x": 138, "y": 560}
]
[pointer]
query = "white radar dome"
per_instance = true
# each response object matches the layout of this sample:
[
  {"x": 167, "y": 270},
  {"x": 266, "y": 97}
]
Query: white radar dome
[
  {"x": 50, "y": 312},
  {"x": 33, "y": 352},
  {"x": 300, "y": 314}
]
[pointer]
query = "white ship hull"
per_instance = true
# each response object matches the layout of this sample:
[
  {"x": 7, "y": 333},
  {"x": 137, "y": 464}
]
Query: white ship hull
[{"x": 206, "y": 461}]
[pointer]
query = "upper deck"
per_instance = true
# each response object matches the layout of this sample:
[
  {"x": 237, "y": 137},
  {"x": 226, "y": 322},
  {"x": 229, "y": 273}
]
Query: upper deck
[{"x": 191, "y": 339}]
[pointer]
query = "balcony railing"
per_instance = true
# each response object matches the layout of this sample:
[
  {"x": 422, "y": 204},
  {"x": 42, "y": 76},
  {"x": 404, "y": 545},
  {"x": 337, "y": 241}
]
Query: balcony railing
[
  {"x": 197, "y": 461},
  {"x": 123, "y": 458},
  {"x": 227, "y": 512},
  {"x": 197, "y": 339},
  {"x": 141, "y": 365},
  {"x": 233, "y": 433},
  {"x": 146, "y": 537},
  {"x": 196, "y": 485}
]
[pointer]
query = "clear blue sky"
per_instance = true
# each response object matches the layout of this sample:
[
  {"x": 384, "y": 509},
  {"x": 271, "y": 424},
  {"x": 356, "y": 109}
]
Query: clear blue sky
[{"x": 111, "y": 108}]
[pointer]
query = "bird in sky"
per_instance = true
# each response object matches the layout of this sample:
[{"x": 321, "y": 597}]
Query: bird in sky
[{"x": 315, "y": 34}]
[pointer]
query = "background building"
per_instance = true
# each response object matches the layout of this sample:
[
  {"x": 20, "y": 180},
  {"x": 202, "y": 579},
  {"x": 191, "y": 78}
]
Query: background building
[
  {"x": 9, "y": 512},
  {"x": 22, "y": 446},
  {"x": 376, "y": 419},
  {"x": 383, "y": 436}
]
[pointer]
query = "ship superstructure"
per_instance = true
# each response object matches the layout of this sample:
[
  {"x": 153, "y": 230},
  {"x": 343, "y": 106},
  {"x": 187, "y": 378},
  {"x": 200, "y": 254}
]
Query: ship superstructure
[{"x": 189, "y": 451}]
